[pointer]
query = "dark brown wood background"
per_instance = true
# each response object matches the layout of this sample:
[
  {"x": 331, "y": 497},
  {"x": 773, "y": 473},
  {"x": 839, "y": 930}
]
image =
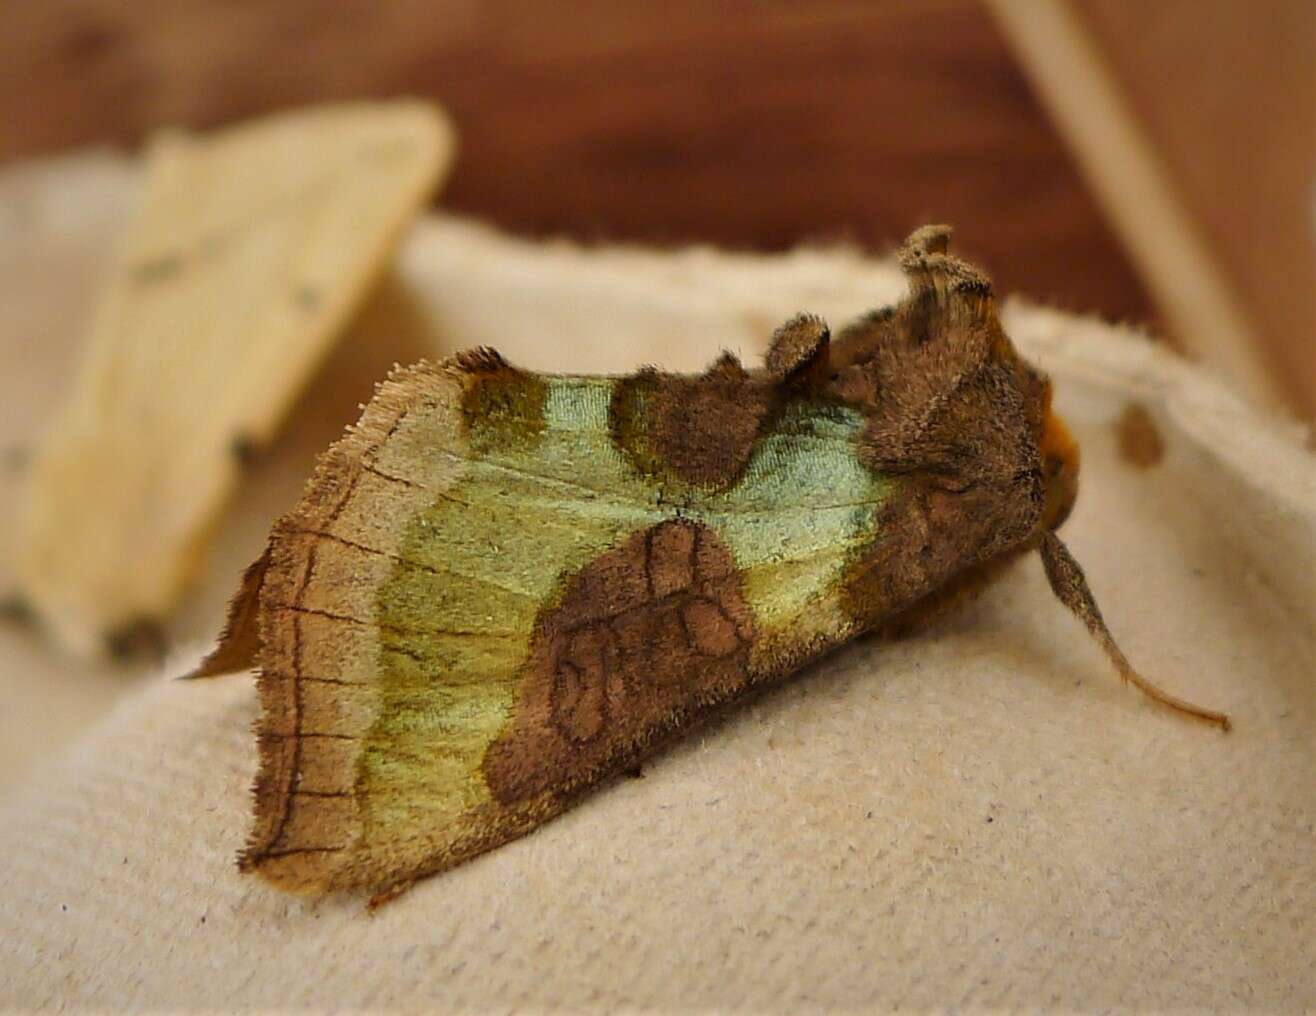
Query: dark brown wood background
[
  {"x": 749, "y": 124},
  {"x": 1227, "y": 90}
]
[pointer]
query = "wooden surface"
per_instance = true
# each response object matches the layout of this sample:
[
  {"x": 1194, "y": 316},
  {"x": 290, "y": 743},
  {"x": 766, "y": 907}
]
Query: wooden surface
[
  {"x": 753, "y": 125},
  {"x": 1228, "y": 92},
  {"x": 745, "y": 124}
]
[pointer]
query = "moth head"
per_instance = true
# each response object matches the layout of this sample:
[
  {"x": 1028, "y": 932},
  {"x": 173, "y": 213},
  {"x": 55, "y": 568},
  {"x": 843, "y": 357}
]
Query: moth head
[{"x": 966, "y": 426}]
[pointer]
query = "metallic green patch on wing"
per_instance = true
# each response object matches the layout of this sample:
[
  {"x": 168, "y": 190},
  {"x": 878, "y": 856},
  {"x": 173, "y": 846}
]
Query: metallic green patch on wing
[
  {"x": 456, "y": 620},
  {"x": 805, "y": 504}
]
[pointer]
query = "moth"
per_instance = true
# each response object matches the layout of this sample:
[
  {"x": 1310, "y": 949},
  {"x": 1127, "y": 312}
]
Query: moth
[
  {"x": 501, "y": 588},
  {"x": 250, "y": 249}
]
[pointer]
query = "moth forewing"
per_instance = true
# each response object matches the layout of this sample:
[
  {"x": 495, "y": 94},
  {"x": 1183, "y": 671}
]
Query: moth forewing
[{"x": 251, "y": 250}]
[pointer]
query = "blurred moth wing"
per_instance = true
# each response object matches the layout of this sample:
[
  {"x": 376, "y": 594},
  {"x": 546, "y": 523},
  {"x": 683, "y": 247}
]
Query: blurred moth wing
[{"x": 250, "y": 250}]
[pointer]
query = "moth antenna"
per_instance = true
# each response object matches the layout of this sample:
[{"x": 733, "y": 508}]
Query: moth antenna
[{"x": 1071, "y": 589}]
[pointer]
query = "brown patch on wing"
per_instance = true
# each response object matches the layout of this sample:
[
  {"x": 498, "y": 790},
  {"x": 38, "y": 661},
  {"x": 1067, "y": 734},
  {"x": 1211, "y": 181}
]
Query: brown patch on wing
[
  {"x": 799, "y": 348},
  {"x": 945, "y": 599},
  {"x": 701, "y": 429},
  {"x": 310, "y": 598},
  {"x": 928, "y": 540},
  {"x": 296, "y": 838},
  {"x": 503, "y": 406},
  {"x": 141, "y": 638},
  {"x": 643, "y": 635},
  {"x": 1140, "y": 441}
]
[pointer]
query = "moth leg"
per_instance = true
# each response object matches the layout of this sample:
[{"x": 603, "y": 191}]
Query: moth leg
[{"x": 1071, "y": 589}]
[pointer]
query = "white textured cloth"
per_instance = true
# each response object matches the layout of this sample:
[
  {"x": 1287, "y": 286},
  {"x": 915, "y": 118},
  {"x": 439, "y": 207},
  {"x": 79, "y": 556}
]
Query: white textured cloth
[{"x": 979, "y": 816}]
